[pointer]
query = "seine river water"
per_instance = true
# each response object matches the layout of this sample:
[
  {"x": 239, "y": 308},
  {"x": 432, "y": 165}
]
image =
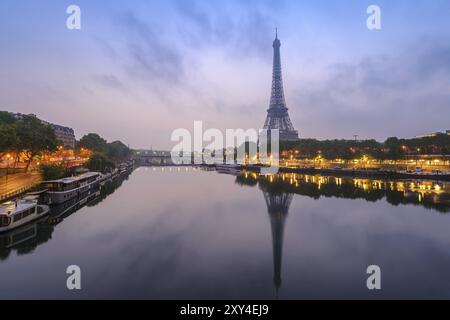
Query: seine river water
[{"x": 169, "y": 233}]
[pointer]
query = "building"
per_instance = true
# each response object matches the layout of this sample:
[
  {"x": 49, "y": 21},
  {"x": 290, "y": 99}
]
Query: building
[
  {"x": 430, "y": 135},
  {"x": 277, "y": 114},
  {"x": 64, "y": 135}
]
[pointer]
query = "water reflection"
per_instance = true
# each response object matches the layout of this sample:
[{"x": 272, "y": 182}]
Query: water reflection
[
  {"x": 279, "y": 190},
  {"x": 278, "y": 208},
  {"x": 26, "y": 239},
  {"x": 429, "y": 194},
  {"x": 181, "y": 234}
]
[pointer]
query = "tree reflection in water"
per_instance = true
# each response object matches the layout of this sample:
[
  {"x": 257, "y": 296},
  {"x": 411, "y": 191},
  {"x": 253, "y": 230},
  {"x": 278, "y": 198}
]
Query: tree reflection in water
[
  {"x": 279, "y": 190},
  {"x": 429, "y": 194}
]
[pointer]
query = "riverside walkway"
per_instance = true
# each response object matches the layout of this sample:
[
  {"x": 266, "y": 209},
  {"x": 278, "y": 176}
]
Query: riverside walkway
[{"x": 16, "y": 184}]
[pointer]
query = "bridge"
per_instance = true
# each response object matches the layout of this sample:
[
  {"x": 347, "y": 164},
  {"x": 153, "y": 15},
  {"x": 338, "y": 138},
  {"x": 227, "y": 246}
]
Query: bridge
[{"x": 153, "y": 158}]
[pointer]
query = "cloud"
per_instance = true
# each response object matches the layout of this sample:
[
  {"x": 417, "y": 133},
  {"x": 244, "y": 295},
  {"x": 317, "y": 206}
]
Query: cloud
[
  {"x": 380, "y": 96},
  {"x": 150, "y": 54},
  {"x": 240, "y": 28},
  {"x": 110, "y": 81}
]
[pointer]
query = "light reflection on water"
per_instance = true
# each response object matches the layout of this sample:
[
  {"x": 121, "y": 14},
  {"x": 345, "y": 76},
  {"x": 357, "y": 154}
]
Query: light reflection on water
[{"x": 191, "y": 234}]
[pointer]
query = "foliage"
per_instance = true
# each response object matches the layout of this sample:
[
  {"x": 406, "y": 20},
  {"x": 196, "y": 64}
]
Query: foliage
[
  {"x": 392, "y": 149},
  {"x": 53, "y": 171},
  {"x": 30, "y": 137},
  {"x": 118, "y": 151},
  {"x": 99, "y": 162},
  {"x": 34, "y": 137},
  {"x": 105, "y": 154},
  {"x": 93, "y": 142},
  {"x": 7, "y": 118},
  {"x": 8, "y": 138}
]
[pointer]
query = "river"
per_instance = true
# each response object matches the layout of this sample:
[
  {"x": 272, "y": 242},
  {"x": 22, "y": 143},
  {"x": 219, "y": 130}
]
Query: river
[{"x": 185, "y": 233}]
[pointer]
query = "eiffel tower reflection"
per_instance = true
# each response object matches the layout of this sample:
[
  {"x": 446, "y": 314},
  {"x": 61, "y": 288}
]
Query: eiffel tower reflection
[{"x": 278, "y": 203}]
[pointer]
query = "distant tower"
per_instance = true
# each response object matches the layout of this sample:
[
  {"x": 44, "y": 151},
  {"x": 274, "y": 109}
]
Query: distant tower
[
  {"x": 277, "y": 114},
  {"x": 278, "y": 208}
]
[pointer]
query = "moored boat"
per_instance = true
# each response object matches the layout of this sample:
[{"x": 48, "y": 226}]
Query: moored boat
[
  {"x": 233, "y": 169},
  {"x": 124, "y": 167},
  {"x": 14, "y": 214},
  {"x": 62, "y": 190}
]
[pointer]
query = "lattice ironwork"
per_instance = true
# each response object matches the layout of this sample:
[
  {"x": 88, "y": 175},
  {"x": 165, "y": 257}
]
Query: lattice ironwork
[{"x": 277, "y": 114}]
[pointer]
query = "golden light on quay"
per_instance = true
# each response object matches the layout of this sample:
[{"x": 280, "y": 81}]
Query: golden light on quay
[{"x": 295, "y": 179}]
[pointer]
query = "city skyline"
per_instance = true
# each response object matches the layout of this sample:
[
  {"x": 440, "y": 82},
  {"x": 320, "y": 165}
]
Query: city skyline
[
  {"x": 128, "y": 74},
  {"x": 225, "y": 151}
]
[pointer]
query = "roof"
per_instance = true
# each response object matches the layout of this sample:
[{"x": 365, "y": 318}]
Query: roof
[
  {"x": 10, "y": 206},
  {"x": 74, "y": 179}
]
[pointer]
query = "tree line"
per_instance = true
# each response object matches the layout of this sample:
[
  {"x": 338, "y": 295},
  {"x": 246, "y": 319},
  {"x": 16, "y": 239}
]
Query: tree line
[
  {"x": 26, "y": 136},
  {"x": 391, "y": 149},
  {"x": 105, "y": 155}
]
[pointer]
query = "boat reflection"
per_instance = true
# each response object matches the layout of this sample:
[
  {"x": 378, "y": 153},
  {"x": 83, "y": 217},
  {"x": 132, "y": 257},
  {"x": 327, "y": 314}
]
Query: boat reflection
[{"x": 24, "y": 240}]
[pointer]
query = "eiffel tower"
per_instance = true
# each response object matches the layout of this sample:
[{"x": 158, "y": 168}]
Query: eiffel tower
[{"x": 277, "y": 114}]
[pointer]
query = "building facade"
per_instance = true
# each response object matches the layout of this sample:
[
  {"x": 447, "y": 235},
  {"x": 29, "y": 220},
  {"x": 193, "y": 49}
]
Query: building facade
[
  {"x": 430, "y": 135},
  {"x": 64, "y": 135}
]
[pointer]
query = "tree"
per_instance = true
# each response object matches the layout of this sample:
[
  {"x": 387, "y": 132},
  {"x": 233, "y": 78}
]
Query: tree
[
  {"x": 392, "y": 142},
  {"x": 118, "y": 151},
  {"x": 33, "y": 138},
  {"x": 8, "y": 139},
  {"x": 53, "y": 171},
  {"x": 7, "y": 118},
  {"x": 93, "y": 142},
  {"x": 99, "y": 162}
]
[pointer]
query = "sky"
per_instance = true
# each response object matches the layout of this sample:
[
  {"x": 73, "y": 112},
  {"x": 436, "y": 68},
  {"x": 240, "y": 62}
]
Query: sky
[{"x": 138, "y": 70}]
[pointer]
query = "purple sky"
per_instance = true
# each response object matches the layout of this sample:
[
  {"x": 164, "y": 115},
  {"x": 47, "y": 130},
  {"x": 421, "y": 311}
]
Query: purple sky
[{"x": 137, "y": 70}]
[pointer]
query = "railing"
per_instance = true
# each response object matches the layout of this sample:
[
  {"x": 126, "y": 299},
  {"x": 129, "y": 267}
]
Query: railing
[
  {"x": 16, "y": 192},
  {"x": 10, "y": 171}
]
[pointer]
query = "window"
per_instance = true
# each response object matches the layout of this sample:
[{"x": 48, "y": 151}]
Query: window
[
  {"x": 29, "y": 212},
  {"x": 5, "y": 221},
  {"x": 17, "y": 217}
]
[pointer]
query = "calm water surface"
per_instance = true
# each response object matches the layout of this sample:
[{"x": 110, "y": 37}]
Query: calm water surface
[{"x": 195, "y": 234}]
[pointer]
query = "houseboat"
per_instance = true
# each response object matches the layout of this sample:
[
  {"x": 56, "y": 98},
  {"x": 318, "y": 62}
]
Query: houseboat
[
  {"x": 124, "y": 167},
  {"x": 59, "y": 212},
  {"x": 14, "y": 214},
  {"x": 233, "y": 169},
  {"x": 62, "y": 190}
]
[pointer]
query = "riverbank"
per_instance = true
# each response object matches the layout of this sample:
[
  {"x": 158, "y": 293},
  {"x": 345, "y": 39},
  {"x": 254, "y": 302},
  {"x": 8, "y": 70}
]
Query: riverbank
[{"x": 13, "y": 185}]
